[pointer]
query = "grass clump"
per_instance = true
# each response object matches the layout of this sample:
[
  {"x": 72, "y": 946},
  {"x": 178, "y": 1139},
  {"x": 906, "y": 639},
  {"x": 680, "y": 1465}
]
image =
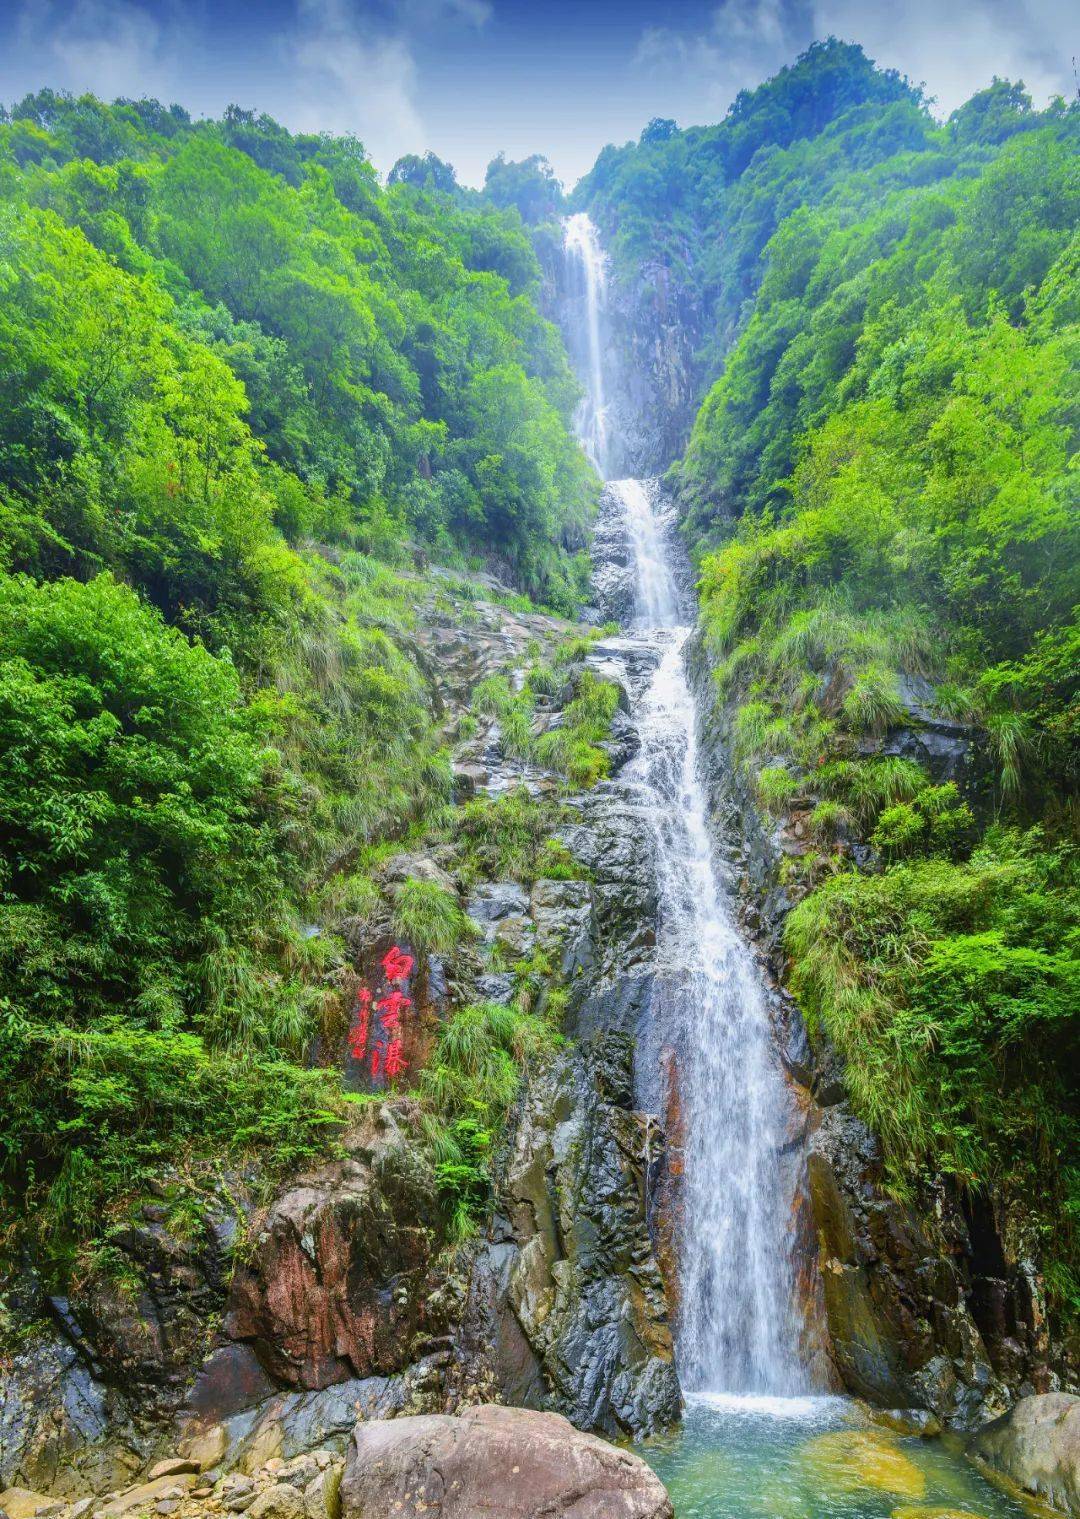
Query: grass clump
[
  {"x": 775, "y": 787},
  {"x": 501, "y": 838},
  {"x": 513, "y": 710},
  {"x": 429, "y": 917},
  {"x": 468, "y": 1089}
]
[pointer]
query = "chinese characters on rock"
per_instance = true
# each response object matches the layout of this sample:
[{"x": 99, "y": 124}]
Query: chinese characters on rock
[{"x": 381, "y": 1045}]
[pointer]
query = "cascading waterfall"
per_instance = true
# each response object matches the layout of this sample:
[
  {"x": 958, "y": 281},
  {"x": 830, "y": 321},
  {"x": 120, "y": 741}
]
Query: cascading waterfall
[
  {"x": 587, "y": 268},
  {"x": 737, "y": 1329}
]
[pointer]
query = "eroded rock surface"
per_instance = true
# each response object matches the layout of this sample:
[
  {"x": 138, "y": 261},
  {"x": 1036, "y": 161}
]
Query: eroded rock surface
[
  {"x": 333, "y": 1286},
  {"x": 1037, "y": 1445},
  {"x": 494, "y": 1463},
  {"x": 585, "y": 1285}
]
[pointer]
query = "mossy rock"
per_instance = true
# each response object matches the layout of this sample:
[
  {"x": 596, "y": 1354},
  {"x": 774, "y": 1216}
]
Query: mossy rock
[
  {"x": 916, "y": 1511},
  {"x": 851, "y": 1460}
]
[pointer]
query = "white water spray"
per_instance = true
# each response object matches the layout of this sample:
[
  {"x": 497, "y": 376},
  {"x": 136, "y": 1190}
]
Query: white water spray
[
  {"x": 737, "y": 1327},
  {"x": 737, "y": 1330},
  {"x": 587, "y": 266}
]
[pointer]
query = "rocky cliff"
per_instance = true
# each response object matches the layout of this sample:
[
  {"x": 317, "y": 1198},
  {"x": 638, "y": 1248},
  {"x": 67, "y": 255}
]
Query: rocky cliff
[
  {"x": 264, "y": 1326},
  {"x": 927, "y": 1302}
]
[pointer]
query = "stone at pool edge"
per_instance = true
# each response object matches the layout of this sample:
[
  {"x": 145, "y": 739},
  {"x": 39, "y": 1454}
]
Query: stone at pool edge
[
  {"x": 494, "y": 1462},
  {"x": 1037, "y": 1445}
]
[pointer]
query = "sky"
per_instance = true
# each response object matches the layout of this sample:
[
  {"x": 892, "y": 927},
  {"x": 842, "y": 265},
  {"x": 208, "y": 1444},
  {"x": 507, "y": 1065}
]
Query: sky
[{"x": 471, "y": 78}]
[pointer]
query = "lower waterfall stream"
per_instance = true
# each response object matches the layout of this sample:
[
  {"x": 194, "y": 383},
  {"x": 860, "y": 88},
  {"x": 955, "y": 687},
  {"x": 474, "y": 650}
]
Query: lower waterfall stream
[
  {"x": 755, "y": 1440},
  {"x": 737, "y": 1325}
]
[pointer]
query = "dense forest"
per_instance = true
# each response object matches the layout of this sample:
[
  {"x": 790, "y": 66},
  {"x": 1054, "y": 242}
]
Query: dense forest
[
  {"x": 248, "y": 394},
  {"x": 881, "y": 489}
]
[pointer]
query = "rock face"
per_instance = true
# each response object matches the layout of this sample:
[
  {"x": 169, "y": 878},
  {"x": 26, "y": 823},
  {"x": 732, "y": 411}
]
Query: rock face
[
  {"x": 333, "y": 1288},
  {"x": 901, "y": 1333},
  {"x": 926, "y": 1304},
  {"x": 1037, "y": 1445},
  {"x": 494, "y": 1463},
  {"x": 585, "y": 1285},
  {"x": 653, "y": 328}
]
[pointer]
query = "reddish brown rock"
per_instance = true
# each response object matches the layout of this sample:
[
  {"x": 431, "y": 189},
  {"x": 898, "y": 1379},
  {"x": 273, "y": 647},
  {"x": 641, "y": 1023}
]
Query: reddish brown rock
[
  {"x": 333, "y": 1287},
  {"x": 494, "y": 1463}
]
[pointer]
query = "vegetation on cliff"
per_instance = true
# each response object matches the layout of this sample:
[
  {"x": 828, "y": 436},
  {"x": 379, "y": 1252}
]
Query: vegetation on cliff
[
  {"x": 881, "y": 487},
  {"x": 245, "y": 393}
]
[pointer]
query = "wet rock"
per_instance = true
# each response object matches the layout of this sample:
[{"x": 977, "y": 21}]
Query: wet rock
[
  {"x": 331, "y": 1289},
  {"x": 900, "y": 1331},
  {"x": 1037, "y": 1445},
  {"x": 562, "y": 913},
  {"x": 907, "y": 1421},
  {"x": 54, "y": 1417},
  {"x": 585, "y": 1286},
  {"x": 929, "y": 1511},
  {"x": 854, "y": 1460},
  {"x": 492, "y": 1461}
]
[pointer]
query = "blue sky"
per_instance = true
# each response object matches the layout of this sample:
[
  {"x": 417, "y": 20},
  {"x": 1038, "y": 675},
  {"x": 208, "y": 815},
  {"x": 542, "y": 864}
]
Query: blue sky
[{"x": 470, "y": 78}]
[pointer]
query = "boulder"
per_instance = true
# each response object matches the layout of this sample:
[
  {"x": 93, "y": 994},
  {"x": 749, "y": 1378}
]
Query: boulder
[
  {"x": 146, "y": 1494},
  {"x": 205, "y": 1447},
  {"x": 282, "y": 1501},
  {"x": 22, "y": 1503},
  {"x": 494, "y": 1463},
  {"x": 322, "y": 1497},
  {"x": 1037, "y": 1445},
  {"x": 173, "y": 1466}
]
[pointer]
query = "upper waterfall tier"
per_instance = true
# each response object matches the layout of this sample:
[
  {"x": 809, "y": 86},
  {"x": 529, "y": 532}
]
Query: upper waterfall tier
[{"x": 587, "y": 276}]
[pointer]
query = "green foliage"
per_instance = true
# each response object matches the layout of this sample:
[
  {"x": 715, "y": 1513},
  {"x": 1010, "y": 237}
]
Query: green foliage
[
  {"x": 241, "y": 387},
  {"x": 573, "y": 746},
  {"x": 429, "y": 918},
  {"x": 468, "y": 1088},
  {"x": 501, "y": 838},
  {"x": 950, "y": 991},
  {"x": 92, "y": 1112},
  {"x": 775, "y": 787},
  {"x": 384, "y": 347}
]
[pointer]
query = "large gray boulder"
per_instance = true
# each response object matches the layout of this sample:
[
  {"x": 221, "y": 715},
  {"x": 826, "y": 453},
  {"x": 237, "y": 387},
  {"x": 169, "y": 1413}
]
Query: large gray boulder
[
  {"x": 494, "y": 1463},
  {"x": 1037, "y": 1445}
]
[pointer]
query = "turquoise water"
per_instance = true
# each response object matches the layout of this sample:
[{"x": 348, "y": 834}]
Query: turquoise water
[{"x": 813, "y": 1458}]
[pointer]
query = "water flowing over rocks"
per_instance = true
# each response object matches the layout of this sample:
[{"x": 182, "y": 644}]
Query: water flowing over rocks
[{"x": 648, "y": 330}]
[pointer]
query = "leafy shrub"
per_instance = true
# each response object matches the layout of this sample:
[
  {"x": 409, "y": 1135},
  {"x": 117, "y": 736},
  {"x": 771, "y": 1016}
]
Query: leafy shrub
[{"x": 950, "y": 991}]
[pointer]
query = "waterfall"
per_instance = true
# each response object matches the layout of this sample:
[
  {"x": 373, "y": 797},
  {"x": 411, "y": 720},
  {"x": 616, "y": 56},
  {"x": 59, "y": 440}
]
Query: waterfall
[
  {"x": 737, "y": 1330},
  {"x": 587, "y": 272}
]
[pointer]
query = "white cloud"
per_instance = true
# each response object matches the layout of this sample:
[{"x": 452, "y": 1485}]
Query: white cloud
[
  {"x": 338, "y": 75},
  {"x": 115, "y": 48},
  {"x": 953, "y": 49},
  {"x": 337, "y": 66}
]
